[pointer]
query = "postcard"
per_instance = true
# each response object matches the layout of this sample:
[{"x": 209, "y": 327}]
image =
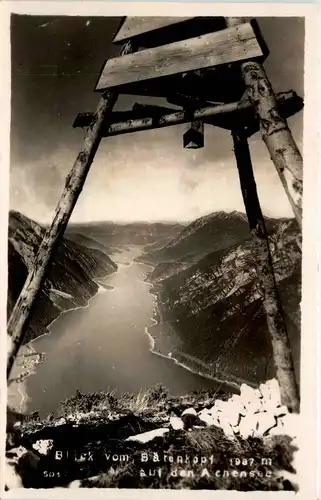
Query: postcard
[{"x": 159, "y": 249}]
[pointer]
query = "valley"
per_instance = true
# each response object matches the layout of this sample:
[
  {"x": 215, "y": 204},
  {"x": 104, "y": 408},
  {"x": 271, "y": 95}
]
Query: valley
[{"x": 180, "y": 303}]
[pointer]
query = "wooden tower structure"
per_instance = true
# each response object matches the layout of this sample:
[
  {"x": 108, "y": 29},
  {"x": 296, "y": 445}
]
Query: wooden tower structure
[{"x": 211, "y": 67}]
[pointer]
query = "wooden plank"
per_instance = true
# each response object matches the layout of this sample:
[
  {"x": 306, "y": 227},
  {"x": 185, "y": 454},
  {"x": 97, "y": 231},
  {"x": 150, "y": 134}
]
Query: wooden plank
[
  {"x": 224, "y": 84},
  {"x": 156, "y": 31},
  {"x": 227, "y": 46},
  {"x": 135, "y": 26}
]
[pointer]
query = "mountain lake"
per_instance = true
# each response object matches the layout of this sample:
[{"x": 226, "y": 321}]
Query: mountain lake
[{"x": 104, "y": 346}]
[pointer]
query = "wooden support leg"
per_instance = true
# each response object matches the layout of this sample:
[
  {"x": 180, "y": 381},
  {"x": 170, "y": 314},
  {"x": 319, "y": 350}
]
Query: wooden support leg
[
  {"x": 274, "y": 129},
  {"x": 276, "y": 135},
  {"x": 20, "y": 315},
  {"x": 280, "y": 342}
]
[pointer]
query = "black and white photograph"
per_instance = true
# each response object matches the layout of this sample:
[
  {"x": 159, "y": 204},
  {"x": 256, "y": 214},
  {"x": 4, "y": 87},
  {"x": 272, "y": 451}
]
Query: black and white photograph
[{"x": 154, "y": 252}]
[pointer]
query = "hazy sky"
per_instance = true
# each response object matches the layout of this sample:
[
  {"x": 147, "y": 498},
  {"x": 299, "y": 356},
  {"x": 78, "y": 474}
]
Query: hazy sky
[{"x": 147, "y": 175}]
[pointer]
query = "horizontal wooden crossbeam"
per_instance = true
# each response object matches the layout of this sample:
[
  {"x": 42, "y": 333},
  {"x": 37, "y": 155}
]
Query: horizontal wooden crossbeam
[
  {"x": 239, "y": 43},
  {"x": 145, "y": 117},
  {"x": 138, "y": 111},
  {"x": 156, "y": 120},
  {"x": 289, "y": 103}
]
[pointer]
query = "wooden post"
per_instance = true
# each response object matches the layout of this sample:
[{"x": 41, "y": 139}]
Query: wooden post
[
  {"x": 276, "y": 135},
  {"x": 20, "y": 315},
  {"x": 271, "y": 302},
  {"x": 274, "y": 129}
]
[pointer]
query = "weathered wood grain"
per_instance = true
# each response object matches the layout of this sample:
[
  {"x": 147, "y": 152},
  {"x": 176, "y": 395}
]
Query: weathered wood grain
[
  {"x": 276, "y": 135},
  {"x": 289, "y": 103},
  {"x": 227, "y": 46},
  {"x": 155, "y": 120},
  {"x": 145, "y": 117}
]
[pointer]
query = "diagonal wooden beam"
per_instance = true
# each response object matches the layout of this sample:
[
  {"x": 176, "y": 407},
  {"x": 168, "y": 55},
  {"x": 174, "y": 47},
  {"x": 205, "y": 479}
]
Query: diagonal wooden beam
[
  {"x": 75, "y": 181},
  {"x": 276, "y": 135}
]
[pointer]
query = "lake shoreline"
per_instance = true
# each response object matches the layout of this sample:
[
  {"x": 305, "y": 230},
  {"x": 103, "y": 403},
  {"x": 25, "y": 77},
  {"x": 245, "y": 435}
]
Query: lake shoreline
[
  {"x": 156, "y": 347},
  {"x": 153, "y": 345},
  {"x": 19, "y": 393}
]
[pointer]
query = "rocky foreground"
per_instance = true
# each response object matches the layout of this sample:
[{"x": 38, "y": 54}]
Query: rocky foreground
[{"x": 152, "y": 440}]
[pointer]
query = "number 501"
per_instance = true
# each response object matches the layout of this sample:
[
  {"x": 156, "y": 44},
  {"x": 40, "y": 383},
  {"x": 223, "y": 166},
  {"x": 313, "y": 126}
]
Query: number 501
[{"x": 47, "y": 473}]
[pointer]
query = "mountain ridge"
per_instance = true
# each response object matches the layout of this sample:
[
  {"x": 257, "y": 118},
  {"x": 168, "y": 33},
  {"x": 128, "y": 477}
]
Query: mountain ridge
[
  {"x": 215, "y": 231},
  {"x": 70, "y": 281},
  {"x": 208, "y": 295}
]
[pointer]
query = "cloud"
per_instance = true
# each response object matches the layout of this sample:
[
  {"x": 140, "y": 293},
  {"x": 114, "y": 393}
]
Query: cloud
[
  {"x": 143, "y": 183},
  {"x": 146, "y": 175}
]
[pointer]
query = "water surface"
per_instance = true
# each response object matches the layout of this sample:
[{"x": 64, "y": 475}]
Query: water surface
[{"x": 104, "y": 346}]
